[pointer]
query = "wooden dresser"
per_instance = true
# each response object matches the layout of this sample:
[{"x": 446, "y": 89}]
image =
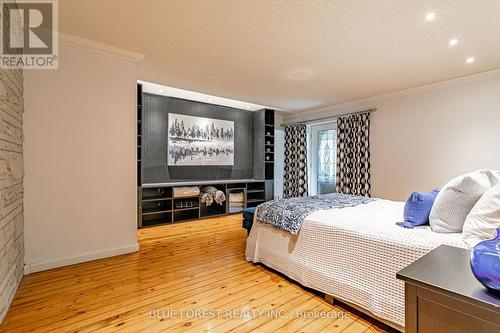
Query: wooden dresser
[{"x": 443, "y": 296}]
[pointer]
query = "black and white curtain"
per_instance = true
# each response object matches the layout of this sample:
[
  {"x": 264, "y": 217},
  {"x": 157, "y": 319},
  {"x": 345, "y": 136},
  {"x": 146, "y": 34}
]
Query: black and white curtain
[
  {"x": 353, "y": 154},
  {"x": 295, "y": 175}
]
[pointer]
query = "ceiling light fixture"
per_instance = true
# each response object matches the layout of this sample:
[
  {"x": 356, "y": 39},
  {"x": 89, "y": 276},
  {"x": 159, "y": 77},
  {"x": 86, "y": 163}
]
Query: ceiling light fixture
[
  {"x": 430, "y": 16},
  {"x": 453, "y": 42},
  {"x": 470, "y": 60}
]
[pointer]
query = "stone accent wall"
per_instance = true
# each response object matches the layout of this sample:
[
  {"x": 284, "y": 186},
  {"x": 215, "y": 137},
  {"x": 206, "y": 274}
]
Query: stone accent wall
[{"x": 11, "y": 186}]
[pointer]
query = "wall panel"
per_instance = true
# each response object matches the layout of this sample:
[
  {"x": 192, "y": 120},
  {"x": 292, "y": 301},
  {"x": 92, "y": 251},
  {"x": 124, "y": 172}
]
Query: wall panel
[
  {"x": 11, "y": 186},
  {"x": 155, "y": 125}
]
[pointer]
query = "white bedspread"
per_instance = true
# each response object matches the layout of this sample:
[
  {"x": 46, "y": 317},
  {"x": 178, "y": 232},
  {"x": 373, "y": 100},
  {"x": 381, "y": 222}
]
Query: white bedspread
[{"x": 351, "y": 253}]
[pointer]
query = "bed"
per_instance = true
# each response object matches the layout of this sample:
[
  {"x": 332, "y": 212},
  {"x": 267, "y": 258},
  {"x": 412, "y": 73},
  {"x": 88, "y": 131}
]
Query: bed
[{"x": 351, "y": 253}]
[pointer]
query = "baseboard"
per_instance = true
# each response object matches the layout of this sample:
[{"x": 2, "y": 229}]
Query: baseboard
[{"x": 43, "y": 266}]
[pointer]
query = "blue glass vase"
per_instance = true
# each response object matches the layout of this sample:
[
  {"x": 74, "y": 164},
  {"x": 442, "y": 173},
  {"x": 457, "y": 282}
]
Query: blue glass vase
[{"x": 485, "y": 263}]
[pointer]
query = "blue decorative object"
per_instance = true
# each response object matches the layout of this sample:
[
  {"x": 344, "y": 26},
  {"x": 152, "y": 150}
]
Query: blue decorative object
[
  {"x": 418, "y": 208},
  {"x": 485, "y": 263}
]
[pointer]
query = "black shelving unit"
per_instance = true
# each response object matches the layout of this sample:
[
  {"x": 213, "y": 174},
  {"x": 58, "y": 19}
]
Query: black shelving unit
[
  {"x": 159, "y": 207},
  {"x": 139, "y": 154},
  {"x": 269, "y": 144},
  {"x": 139, "y": 133},
  {"x": 264, "y": 149}
]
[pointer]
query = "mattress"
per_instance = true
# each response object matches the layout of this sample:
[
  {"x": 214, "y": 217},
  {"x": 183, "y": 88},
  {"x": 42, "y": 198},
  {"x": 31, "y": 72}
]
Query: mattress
[{"x": 351, "y": 253}]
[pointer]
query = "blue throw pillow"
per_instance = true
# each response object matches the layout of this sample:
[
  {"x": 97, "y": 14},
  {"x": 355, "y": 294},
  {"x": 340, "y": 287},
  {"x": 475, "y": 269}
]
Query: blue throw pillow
[{"x": 418, "y": 208}]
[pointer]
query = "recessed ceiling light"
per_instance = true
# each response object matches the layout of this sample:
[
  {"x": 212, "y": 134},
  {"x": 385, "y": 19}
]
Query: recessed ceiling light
[
  {"x": 430, "y": 16},
  {"x": 248, "y": 106},
  {"x": 161, "y": 91},
  {"x": 470, "y": 60},
  {"x": 453, "y": 42}
]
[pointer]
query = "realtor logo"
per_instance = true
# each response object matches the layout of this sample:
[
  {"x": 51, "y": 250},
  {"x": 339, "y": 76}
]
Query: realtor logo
[{"x": 29, "y": 34}]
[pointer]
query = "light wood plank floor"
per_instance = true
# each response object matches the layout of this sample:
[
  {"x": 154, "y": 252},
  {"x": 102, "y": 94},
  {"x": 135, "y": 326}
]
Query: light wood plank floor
[{"x": 180, "y": 271}]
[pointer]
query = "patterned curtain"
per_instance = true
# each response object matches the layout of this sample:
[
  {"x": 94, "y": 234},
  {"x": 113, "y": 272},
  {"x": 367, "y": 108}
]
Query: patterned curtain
[
  {"x": 353, "y": 154},
  {"x": 295, "y": 175}
]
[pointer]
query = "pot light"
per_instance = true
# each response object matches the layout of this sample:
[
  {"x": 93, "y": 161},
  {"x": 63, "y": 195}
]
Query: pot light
[
  {"x": 430, "y": 16},
  {"x": 470, "y": 60},
  {"x": 453, "y": 42}
]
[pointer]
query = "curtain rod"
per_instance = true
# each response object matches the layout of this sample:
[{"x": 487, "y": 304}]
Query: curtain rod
[{"x": 320, "y": 120}]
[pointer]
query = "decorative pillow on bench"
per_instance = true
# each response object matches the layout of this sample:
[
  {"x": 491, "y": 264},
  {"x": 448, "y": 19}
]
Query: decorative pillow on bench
[{"x": 418, "y": 207}]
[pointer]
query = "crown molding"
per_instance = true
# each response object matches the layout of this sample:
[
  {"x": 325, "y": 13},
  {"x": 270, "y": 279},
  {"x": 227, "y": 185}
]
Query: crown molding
[
  {"x": 79, "y": 42},
  {"x": 352, "y": 105}
]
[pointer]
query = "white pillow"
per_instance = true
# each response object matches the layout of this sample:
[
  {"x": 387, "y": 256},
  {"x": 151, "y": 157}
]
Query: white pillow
[
  {"x": 456, "y": 199},
  {"x": 484, "y": 218}
]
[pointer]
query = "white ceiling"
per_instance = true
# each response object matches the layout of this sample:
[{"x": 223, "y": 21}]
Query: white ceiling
[
  {"x": 295, "y": 55},
  {"x": 158, "y": 89}
]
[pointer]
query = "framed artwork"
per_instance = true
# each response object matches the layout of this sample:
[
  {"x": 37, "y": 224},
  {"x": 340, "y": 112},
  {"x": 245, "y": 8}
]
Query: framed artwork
[{"x": 199, "y": 141}]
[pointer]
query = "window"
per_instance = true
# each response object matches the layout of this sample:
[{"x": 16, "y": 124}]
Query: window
[
  {"x": 327, "y": 154},
  {"x": 322, "y": 158}
]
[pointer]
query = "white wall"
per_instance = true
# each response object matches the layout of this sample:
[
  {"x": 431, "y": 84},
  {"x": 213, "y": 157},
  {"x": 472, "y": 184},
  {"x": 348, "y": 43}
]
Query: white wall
[
  {"x": 421, "y": 138},
  {"x": 80, "y": 184}
]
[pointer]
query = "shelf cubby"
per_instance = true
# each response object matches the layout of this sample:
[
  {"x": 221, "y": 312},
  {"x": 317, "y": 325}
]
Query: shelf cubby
[
  {"x": 236, "y": 186},
  {"x": 255, "y": 191},
  {"x": 256, "y": 186},
  {"x": 213, "y": 210},
  {"x": 186, "y": 214},
  {"x": 186, "y": 203},
  {"x": 153, "y": 206},
  {"x": 254, "y": 202},
  {"x": 156, "y": 193},
  {"x": 155, "y": 219},
  {"x": 236, "y": 210}
]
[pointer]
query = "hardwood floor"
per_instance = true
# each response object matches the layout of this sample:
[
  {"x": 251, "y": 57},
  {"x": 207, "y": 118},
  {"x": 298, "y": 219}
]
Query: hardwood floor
[{"x": 180, "y": 271}]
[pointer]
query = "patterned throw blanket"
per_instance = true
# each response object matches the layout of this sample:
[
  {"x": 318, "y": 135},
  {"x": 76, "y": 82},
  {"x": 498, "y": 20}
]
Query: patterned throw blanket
[{"x": 288, "y": 214}]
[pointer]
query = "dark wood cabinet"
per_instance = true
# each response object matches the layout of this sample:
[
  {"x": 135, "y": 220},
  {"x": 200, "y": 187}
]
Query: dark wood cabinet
[{"x": 443, "y": 296}]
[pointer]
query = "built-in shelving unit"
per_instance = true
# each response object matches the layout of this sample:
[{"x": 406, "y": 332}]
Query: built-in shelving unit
[
  {"x": 158, "y": 206},
  {"x": 263, "y": 149},
  {"x": 269, "y": 144},
  {"x": 139, "y": 151},
  {"x": 255, "y": 142},
  {"x": 139, "y": 133}
]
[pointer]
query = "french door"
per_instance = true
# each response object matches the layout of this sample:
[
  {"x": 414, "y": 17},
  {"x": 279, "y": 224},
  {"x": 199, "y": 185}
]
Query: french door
[{"x": 322, "y": 156}]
